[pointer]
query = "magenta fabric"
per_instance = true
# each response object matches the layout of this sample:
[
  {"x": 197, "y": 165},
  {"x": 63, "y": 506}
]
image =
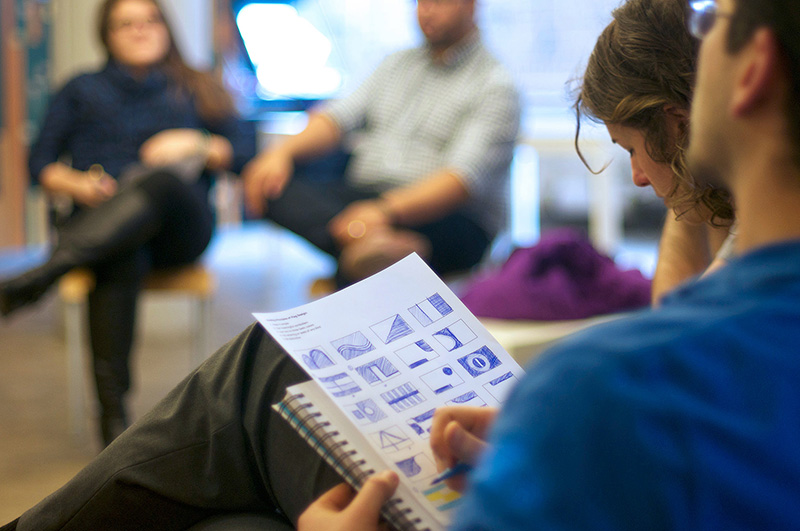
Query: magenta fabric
[{"x": 561, "y": 277}]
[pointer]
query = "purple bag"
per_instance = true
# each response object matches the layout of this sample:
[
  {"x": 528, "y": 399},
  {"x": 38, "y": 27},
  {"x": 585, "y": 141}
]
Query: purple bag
[{"x": 561, "y": 277}]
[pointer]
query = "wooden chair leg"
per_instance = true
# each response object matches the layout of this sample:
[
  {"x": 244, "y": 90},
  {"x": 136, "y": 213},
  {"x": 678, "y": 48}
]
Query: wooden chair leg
[{"x": 74, "y": 330}]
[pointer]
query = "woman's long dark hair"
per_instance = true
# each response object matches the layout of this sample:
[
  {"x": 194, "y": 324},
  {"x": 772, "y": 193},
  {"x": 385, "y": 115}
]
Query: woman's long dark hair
[{"x": 213, "y": 102}]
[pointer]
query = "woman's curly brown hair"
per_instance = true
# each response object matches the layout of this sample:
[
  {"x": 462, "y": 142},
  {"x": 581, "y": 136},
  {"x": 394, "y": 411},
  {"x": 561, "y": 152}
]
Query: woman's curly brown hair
[{"x": 644, "y": 61}]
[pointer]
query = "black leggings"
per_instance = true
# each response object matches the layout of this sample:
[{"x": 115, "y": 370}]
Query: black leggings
[{"x": 178, "y": 228}]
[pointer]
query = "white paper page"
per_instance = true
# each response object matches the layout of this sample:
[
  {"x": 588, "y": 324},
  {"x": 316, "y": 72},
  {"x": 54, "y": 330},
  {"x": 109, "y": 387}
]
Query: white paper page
[
  {"x": 388, "y": 351},
  {"x": 333, "y": 414}
]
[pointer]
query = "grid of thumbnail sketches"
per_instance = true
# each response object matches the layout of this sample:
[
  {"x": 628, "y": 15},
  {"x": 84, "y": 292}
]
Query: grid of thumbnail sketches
[{"x": 377, "y": 364}]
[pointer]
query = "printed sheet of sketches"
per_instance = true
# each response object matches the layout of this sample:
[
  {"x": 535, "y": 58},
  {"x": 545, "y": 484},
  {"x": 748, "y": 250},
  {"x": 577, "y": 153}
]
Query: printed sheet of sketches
[{"x": 390, "y": 350}]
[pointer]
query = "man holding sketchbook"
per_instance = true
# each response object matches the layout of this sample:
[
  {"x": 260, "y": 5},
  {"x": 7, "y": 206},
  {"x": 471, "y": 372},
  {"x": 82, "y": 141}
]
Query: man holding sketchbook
[{"x": 684, "y": 416}]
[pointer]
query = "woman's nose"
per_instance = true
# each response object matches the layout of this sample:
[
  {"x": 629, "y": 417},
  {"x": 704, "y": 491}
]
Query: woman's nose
[{"x": 639, "y": 176}]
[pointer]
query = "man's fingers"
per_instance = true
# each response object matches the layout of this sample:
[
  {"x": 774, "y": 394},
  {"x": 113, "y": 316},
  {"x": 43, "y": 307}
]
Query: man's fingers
[
  {"x": 464, "y": 446},
  {"x": 375, "y": 492},
  {"x": 337, "y": 498},
  {"x": 472, "y": 420},
  {"x": 253, "y": 197}
]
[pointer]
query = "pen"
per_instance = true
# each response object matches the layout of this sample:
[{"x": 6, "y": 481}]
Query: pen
[{"x": 460, "y": 468}]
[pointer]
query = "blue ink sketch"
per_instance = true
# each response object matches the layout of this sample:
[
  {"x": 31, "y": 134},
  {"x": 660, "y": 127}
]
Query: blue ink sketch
[
  {"x": 416, "y": 354},
  {"x": 409, "y": 467},
  {"x": 368, "y": 410},
  {"x": 448, "y": 339},
  {"x": 439, "y": 303},
  {"x": 392, "y": 329},
  {"x": 317, "y": 359},
  {"x": 392, "y": 439},
  {"x": 466, "y": 397},
  {"x": 340, "y": 384},
  {"x": 455, "y": 336},
  {"x": 403, "y": 397},
  {"x": 454, "y": 342},
  {"x": 479, "y": 362},
  {"x": 377, "y": 371},
  {"x": 430, "y": 310},
  {"x": 470, "y": 398},
  {"x": 503, "y": 378},
  {"x": 421, "y": 424},
  {"x": 442, "y": 379},
  {"x": 353, "y": 345},
  {"x": 424, "y": 346},
  {"x": 501, "y": 386}
]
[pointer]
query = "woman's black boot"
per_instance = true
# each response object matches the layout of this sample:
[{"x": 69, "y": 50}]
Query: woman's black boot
[{"x": 121, "y": 224}]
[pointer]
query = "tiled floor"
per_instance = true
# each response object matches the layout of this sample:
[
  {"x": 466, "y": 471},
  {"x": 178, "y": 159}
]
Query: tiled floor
[{"x": 258, "y": 268}]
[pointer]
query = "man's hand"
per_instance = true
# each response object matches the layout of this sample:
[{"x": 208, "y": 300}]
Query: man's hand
[
  {"x": 265, "y": 177},
  {"x": 357, "y": 220},
  {"x": 341, "y": 509},
  {"x": 458, "y": 436}
]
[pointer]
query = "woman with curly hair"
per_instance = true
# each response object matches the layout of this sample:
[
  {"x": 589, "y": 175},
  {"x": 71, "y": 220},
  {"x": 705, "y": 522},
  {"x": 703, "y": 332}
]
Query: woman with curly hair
[{"x": 639, "y": 82}]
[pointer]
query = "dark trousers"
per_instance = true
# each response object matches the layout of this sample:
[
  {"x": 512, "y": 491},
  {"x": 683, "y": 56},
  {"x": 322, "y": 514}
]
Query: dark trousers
[
  {"x": 307, "y": 206},
  {"x": 212, "y": 446}
]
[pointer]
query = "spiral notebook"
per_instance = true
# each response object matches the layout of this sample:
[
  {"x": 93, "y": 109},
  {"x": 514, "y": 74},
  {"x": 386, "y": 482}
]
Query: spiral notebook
[
  {"x": 320, "y": 423},
  {"x": 383, "y": 354}
]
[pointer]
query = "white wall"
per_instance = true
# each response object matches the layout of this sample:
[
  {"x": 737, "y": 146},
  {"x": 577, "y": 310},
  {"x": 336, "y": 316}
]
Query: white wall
[
  {"x": 76, "y": 47},
  {"x": 192, "y": 22}
]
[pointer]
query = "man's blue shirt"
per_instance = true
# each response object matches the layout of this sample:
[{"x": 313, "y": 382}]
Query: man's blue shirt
[{"x": 687, "y": 416}]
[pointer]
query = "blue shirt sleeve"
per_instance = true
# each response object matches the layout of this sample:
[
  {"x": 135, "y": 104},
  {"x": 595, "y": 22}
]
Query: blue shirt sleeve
[{"x": 565, "y": 455}]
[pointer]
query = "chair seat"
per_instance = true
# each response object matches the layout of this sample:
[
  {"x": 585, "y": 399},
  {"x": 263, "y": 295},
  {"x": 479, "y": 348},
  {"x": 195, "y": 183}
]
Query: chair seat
[{"x": 194, "y": 279}]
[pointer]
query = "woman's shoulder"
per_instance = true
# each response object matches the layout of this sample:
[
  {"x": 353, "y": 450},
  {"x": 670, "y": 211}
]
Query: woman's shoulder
[
  {"x": 86, "y": 79},
  {"x": 91, "y": 85}
]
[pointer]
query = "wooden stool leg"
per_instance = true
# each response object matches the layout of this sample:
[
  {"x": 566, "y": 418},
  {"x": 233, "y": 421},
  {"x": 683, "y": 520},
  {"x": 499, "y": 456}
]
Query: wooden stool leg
[{"x": 73, "y": 326}]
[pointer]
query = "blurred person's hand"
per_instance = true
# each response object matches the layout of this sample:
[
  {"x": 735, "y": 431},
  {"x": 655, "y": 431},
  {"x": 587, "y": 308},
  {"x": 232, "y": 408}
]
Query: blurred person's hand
[
  {"x": 173, "y": 145},
  {"x": 93, "y": 187},
  {"x": 265, "y": 177},
  {"x": 357, "y": 220}
]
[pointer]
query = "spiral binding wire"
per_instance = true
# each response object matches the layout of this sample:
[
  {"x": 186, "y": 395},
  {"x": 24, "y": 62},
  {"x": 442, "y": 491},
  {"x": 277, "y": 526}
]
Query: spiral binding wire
[{"x": 310, "y": 425}]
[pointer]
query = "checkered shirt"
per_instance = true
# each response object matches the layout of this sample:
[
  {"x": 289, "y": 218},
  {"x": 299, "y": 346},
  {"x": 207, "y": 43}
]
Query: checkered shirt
[{"x": 414, "y": 116}]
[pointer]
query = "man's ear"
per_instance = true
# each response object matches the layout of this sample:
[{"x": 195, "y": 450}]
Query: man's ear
[{"x": 761, "y": 61}]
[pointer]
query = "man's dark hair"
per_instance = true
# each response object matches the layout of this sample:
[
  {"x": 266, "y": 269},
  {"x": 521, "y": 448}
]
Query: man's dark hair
[{"x": 783, "y": 18}]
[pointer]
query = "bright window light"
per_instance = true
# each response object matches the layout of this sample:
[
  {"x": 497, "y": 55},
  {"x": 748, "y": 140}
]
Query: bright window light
[{"x": 290, "y": 55}]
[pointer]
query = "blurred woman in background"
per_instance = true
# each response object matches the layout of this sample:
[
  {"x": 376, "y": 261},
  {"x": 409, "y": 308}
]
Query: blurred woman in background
[{"x": 133, "y": 147}]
